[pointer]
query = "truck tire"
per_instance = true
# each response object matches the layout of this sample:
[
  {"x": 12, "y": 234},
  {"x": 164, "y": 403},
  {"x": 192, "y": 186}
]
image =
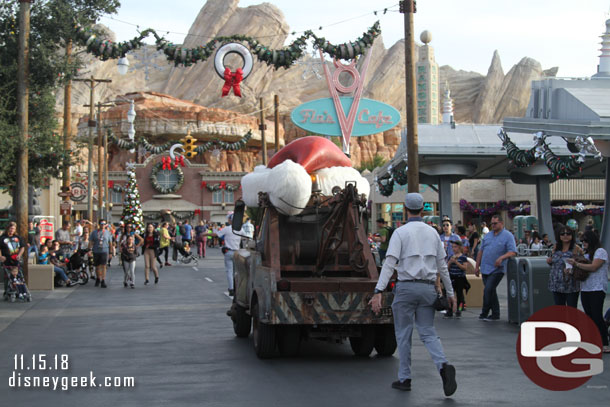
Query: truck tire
[
  {"x": 385, "y": 340},
  {"x": 289, "y": 340},
  {"x": 264, "y": 336},
  {"x": 242, "y": 322},
  {"x": 363, "y": 345}
]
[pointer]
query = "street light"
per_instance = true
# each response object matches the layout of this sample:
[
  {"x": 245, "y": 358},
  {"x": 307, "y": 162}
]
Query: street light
[{"x": 123, "y": 65}]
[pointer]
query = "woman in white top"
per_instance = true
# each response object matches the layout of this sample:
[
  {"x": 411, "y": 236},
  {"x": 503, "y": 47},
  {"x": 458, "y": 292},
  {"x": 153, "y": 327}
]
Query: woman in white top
[{"x": 593, "y": 289}]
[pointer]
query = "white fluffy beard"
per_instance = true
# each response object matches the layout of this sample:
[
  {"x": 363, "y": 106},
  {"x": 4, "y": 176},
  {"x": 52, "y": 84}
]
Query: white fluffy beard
[
  {"x": 289, "y": 185},
  {"x": 328, "y": 178}
]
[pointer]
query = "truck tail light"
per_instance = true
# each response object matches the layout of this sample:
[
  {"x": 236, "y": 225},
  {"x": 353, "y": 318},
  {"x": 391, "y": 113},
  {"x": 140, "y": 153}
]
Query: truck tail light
[{"x": 283, "y": 285}]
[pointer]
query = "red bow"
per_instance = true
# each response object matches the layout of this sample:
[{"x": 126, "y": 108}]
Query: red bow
[
  {"x": 232, "y": 80},
  {"x": 167, "y": 163},
  {"x": 179, "y": 160},
  {"x": 203, "y": 184},
  {"x": 223, "y": 185}
]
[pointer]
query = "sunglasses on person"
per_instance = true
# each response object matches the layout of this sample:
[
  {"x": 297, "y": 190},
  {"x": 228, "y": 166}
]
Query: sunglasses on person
[
  {"x": 494, "y": 223},
  {"x": 446, "y": 225},
  {"x": 565, "y": 234}
]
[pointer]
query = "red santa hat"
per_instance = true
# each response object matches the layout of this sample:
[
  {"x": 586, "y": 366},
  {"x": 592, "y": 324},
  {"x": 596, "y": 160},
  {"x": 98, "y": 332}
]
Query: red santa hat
[{"x": 288, "y": 177}]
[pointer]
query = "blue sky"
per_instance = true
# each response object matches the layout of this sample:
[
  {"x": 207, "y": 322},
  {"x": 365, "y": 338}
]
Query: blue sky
[{"x": 465, "y": 33}]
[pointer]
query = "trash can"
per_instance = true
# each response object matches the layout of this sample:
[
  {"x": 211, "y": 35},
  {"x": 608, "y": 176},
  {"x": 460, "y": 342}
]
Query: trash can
[
  {"x": 533, "y": 282},
  {"x": 512, "y": 289}
]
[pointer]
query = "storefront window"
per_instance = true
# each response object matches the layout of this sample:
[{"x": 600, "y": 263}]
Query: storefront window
[
  {"x": 229, "y": 196},
  {"x": 217, "y": 197},
  {"x": 167, "y": 178}
]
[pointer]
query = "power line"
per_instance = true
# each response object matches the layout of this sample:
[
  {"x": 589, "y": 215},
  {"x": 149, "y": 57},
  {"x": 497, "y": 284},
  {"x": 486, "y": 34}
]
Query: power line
[{"x": 384, "y": 10}]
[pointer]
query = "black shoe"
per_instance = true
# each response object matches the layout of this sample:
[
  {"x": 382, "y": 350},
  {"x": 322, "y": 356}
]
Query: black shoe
[
  {"x": 491, "y": 319},
  {"x": 145, "y": 282},
  {"x": 231, "y": 293},
  {"x": 448, "y": 376},
  {"x": 156, "y": 280},
  {"x": 404, "y": 386},
  {"x": 133, "y": 285},
  {"x": 482, "y": 317},
  {"x": 97, "y": 282},
  {"x": 103, "y": 285},
  {"x": 124, "y": 284}
]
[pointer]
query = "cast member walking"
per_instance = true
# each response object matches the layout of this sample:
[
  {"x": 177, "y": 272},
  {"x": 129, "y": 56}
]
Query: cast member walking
[
  {"x": 417, "y": 253},
  {"x": 498, "y": 245}
]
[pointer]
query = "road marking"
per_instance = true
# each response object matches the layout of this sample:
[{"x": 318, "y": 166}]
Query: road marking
[
  {"x": 195, "y": 268},
  {"x": 209, "y": 279}
]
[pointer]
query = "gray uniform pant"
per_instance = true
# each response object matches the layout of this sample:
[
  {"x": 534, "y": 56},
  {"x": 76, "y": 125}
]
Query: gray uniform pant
[
  {"x": 229, "y": 267},
  {"x": 413, "y": 305}
]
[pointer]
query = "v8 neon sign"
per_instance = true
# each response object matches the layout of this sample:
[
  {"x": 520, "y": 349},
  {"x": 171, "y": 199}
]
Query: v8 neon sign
[{"x": 334, "y": 86}]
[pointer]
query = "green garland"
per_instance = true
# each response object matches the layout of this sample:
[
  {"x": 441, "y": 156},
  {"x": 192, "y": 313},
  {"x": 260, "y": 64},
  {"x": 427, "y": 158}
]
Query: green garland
[
  {"x": 282, "y": 58},
  {"x": 223, "y": 145},
  {"x": 388, "y": 188},
  {"x": 400, "y": 176},
  {"x": 153, "y": 179}
]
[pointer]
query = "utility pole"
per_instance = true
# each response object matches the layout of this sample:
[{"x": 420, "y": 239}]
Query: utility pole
[
  {"x": 67, "y": 130},
  {"x": 262, "y": 128},
  {"x": 408, "y": 8},
  {"x": 106, "y": 195},
  {"x": 20, "y": 200},
  {"x": 102, "y": 191},
  {"x": 92, "y": 83},
  {"x": 276, "y": 103}
]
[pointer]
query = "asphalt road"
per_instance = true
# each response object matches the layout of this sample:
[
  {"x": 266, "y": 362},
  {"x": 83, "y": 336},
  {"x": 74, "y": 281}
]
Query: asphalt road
[{"x": 175, "y": 340}]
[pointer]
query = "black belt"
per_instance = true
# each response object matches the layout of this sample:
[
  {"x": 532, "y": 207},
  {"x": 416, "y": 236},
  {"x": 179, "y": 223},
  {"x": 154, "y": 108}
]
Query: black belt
[{"x": 431, "y": 282}]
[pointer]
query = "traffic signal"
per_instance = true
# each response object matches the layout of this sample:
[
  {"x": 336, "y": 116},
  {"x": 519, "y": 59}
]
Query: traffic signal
[{"x": 188, "y": 143}]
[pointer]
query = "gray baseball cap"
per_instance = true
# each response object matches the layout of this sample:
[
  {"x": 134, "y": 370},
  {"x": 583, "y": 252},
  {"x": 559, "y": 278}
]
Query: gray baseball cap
[{"x": 414, "y": 201}]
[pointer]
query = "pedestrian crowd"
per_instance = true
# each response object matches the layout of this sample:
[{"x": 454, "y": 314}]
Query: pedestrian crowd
[{"x": 104, "y": 242}]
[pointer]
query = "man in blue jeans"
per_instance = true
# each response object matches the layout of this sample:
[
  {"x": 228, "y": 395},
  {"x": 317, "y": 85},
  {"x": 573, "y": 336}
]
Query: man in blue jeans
[{"x": 496, "y": 248}]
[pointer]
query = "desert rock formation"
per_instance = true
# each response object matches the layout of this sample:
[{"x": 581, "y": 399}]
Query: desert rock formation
[{"x": 477, "y": 98}]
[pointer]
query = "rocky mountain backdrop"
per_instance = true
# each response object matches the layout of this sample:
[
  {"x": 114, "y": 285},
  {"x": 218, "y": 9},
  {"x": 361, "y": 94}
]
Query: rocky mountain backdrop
[{"x": 477, "y": 98}]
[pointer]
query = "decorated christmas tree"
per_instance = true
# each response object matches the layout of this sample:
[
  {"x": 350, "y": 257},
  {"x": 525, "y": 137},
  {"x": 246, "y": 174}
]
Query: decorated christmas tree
[{"x": 132, "y": 208}]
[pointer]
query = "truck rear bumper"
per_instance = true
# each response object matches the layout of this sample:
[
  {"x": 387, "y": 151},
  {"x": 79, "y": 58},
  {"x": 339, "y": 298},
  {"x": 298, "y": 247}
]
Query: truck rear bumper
[{"x": 336, "y": 308}]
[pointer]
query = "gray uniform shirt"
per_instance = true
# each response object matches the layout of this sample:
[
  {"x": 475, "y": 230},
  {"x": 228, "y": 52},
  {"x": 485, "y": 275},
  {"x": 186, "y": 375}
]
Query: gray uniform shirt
[{"x": 417, "y": 253}]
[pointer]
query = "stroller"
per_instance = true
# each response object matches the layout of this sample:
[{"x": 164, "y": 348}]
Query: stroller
[
  {"x": 186, "y": 256},
  {"x": 77, "y": 267},
  {"x": 11, "y": 290}
]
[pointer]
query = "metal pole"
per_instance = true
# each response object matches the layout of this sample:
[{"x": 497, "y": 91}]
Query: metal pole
[
  {"x": 90, "y": 153},
  {"x": 106, "y": 195},
  {"x": 92, "y": 83},
  {"x": 408, "y": 8},
  {"x": 100, "y": 165},
  {"x": 67, "y": 129},
  {"x": 20, "y": 200},
  {"x": 262, "y": 128},
  {"x": 276, "y": 103}
]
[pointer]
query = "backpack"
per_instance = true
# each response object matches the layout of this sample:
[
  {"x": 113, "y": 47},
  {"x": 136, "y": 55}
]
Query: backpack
[{"x": 390, "y": 230}]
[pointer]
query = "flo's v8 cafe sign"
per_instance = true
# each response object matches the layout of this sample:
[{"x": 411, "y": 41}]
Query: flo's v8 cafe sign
[{"x": 320, "y": 116}]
